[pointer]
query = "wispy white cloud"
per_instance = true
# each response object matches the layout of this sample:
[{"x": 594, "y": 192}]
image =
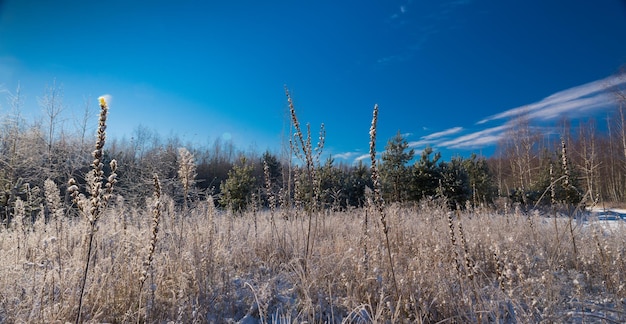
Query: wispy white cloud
[
  {"x": 351, "y": 157},
  {"x": 571, "y": 102},
  {"x": 585, "y": 99},
  {"x": 446, "y": 132},
  {"x": 573, "y": 106},
  {"x": 589, "y": 96},
  {"x": 420, "y": 143},
  {"x": 345, "y": 155},
  {"x": 477, "y": 139},
  {"x": 362, "y": 157},
  {"x": 434, "y": 138}
]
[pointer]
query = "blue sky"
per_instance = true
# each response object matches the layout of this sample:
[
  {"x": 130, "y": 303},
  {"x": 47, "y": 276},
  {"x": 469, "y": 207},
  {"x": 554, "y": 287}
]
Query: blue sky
[{"x": 449, "y": 74}]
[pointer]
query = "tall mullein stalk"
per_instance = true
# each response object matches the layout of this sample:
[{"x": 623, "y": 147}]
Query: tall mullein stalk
[
  {"x": 469, "y": 266},
  {"x": 566, "y": 181},
  {"x": 303, "y": 149},
  {"x": 366, "y": 231},
  {"x": 147, "y": 264},
  {"x": 271, "y": 197},
  {"x": 53, "y": 203},
  {"x": 100, "y": 192},
  {"x": 553, "y": 205},
  {"x": 500, "y": 270},
  {"x": 469, "y": 263},
  {"x": 17, "y": 225},
  {"x": 454, "y": 245},
  {"x": 255, "y": 208},
  {"x": 567, "y": 185},
  {"x": 377, "y": 196},
  {"x": 187, "y": 175}
]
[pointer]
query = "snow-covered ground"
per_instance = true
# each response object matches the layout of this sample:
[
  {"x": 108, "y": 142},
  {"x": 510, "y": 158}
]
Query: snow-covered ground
[
  {"x": 607, "y": 218},
  {"x": 607, "y": 213}
]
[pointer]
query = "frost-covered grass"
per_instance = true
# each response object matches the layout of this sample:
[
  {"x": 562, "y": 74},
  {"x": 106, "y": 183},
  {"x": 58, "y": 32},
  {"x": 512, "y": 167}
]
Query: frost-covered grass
[{"x": 499, "y": 268}]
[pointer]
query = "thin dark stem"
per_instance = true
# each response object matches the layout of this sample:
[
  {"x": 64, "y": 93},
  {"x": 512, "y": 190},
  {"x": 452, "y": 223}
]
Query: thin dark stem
[
  {"x": 393, "y": 272},
  {"x": 84, "y": 280}
]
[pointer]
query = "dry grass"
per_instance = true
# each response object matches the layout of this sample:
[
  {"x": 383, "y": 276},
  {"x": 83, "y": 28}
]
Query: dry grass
[
  {"x": 519, "y": 273},
  {"x": 161, "y": 263}
]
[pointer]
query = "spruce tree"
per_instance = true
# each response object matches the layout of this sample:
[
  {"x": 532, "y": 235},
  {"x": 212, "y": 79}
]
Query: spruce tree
[
  {"x": 238, "y": 188},
  {"x": 426, "y": 174},
  {"x": 480, "y": 180},
  {"x": 394, "y": 171},
  {"x": 454, "y": 183}
]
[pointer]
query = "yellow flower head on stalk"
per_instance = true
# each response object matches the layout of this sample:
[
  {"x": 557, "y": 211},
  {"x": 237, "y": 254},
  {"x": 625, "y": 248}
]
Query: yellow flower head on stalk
[{"x": 104, "y": 100}]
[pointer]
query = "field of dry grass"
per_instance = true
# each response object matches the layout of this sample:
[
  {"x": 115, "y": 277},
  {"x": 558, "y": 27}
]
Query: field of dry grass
[
  {"x": 98, "y": 258},
  {"x": 475, "y": 266}
]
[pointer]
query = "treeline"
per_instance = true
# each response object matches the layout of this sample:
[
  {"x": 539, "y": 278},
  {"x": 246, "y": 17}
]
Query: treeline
[
  {"x": 580, "y": 164},
  {"x": 32, "y": 152}
]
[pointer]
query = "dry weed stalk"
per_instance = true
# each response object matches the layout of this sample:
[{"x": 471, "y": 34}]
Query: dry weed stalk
[
  {"x": 271, "y": 197},
  {"x": 187, "y": 175},
  {"x": 500, "y": 271},
  {"x": 297, "y": 190},
  {"x": 470, "y": 269},
  {"x": 100, "y": 194},
  {"x": 255, "y": 209},
  {"x": 17, "y": 224},
  {"x": 566, "y": 182},
  {"x": 210, "y": 211},
  {"x": 377, "y": 198},
  {"x": 186, "y": 170},
  {"x": 303, "y": 149},
  {"x": 469, "y": 263},
  {"x": 53, "y": 202},
  {"x": 53, "y": 199},
  {"x": 366, "y": 232},
  {"x": 452, "y": 236},
  {"x": 567, "y": 186},
  {"x": 553, "y": 205},
  {"x": 147, "y": 264}
]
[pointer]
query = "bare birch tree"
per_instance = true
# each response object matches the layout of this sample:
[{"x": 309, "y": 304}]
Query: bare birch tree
[
  {"x": 520, "y": 147},
  {"x": 52, "y": 105},
  {"x": 587, "y": 160}
]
